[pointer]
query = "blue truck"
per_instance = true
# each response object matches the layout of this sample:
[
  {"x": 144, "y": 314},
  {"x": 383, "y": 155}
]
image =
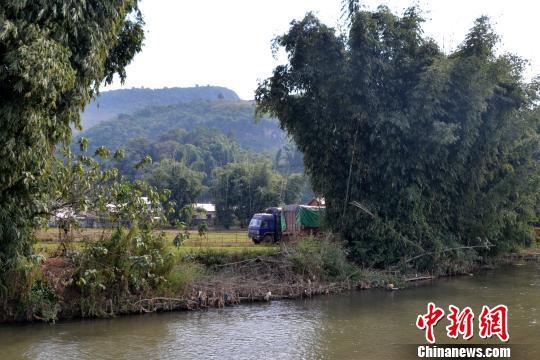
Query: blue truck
[
  {"x": 280, "y": 223},
  {"x": 266, "y": 227}
]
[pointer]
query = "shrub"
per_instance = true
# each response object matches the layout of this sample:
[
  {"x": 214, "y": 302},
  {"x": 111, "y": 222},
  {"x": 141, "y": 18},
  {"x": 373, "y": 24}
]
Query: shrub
[
  {"x": 128, "y": 263},
  {"x": 213, "y": 258},
  {"x": 42, "y": 304},
  {"x": 320, "y": 259},
  {"x": 180, "y": 278}
]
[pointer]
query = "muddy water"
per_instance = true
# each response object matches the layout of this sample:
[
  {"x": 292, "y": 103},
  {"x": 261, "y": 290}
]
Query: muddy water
[{"x": 359, "y": 325}]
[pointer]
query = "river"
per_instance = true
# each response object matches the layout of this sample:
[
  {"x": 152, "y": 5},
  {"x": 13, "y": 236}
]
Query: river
[{"x": 372, "y": 324}]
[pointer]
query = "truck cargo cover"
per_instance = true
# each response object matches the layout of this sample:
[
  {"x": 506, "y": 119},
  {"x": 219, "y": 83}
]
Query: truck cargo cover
[{"x": 309, "y": 216}]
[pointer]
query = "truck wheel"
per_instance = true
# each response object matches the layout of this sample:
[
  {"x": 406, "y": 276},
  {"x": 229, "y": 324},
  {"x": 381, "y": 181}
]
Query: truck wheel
[
  {"x": 268, "y": 239},
  {"x": 255, "y": 241}
]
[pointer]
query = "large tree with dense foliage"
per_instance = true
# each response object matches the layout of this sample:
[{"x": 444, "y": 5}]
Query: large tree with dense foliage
[
  {"x": 53, "y": 57},
  {"x": 424, "y": 158}
]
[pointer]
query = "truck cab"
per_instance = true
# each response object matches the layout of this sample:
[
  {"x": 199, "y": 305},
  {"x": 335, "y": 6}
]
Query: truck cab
[{"x": 262, "y": 228}]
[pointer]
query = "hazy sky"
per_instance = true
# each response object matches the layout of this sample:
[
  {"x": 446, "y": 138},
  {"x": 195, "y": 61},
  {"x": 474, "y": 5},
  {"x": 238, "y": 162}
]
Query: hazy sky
[{"x": 227, "y": 43}]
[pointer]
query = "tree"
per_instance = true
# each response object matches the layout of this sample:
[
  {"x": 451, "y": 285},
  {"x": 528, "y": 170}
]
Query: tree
[
  {"x": 203, "y": 230},
  {"x": 86, "y": 184},
  {"x": 182, "y": 236},
  {"x": 424, "y": 159},
  {"x": 242, "y": 189},
  {"x": 293, "y": 188},
  {"x": 200, "y": 150},
  {"x": 54, "y": 55},
  {"x": 288, "y": 160},
  {"x": 184, "y": 184}
]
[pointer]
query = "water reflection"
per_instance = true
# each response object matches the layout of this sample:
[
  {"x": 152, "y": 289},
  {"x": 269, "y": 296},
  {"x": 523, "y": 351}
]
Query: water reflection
[{"x": 360, "y": 325}]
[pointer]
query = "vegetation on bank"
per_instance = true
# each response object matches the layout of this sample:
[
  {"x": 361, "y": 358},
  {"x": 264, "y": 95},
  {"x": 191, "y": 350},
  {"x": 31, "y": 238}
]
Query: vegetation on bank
[{"x": 136, "y": 271}]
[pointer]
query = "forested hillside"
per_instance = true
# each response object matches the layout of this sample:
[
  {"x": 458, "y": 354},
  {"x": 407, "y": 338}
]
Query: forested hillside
[
  {"x": 202, "y": 144},
  {"x": 204, "y": 165},
  {"x": 112, "y": 103},
  {"x": 236, "y": 119}
]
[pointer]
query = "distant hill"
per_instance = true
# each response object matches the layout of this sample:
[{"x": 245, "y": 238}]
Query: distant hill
[
  {"x": 235, "y": 118},
  {"x": 113, "y": 103}
]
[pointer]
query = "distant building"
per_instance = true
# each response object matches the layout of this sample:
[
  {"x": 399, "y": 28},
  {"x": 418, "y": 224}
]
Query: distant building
[
  {"x": 90, "y": 219},
  {"x": 316, "y": 202},
  {"x": 84, "y": 220},
  {"x": 204, "y": 212}
]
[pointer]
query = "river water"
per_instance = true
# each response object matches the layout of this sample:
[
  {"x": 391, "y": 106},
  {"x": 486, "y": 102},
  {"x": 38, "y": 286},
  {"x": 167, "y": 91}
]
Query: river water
[{"x": 373, "y": 324}]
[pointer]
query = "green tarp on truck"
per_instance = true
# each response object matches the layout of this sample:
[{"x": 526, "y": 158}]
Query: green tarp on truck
[
  {"x": 309, "y": 216},
  {"x": 297, "y": 217}
]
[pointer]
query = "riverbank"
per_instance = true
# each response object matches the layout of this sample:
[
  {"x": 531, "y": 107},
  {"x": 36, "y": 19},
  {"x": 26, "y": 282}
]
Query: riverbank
[
  {"x": 262, "y": 279},
  {"x": 532, "y": 254},
  {"x": 195, "y": 279},
  {"x": 353, "y": 324},
  {"x": 103, "y": 280},
  {"x": 278, "y": 277},
  {"x": 210, "y": 278}
]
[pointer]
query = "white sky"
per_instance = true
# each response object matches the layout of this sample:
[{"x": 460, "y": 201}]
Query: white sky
[{"x": 227, "y": 43}]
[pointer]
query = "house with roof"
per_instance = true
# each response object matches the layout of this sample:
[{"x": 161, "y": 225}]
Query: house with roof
[{"x": 204, "y": 212}]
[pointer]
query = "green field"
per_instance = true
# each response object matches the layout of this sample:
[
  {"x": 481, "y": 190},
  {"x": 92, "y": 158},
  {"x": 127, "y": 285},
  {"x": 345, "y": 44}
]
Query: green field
[
  {"x": 230, "y": 241},
  {"x": 212, "y": 238}
]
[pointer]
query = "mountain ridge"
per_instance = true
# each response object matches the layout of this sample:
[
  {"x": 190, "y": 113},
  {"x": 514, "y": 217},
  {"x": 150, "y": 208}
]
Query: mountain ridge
[
  {"x": 112, "y": 103},
  {"x": 234, "y": 118}
]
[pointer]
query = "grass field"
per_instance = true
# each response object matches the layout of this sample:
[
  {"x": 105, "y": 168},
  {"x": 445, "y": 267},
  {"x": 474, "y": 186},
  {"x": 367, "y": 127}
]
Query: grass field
[
  {"x": 231, "y": 241},
  {"x": 212, "y": 238}
]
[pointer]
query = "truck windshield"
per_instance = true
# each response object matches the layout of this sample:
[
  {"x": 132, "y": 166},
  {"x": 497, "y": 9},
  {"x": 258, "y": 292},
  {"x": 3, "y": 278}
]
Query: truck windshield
[{"x": 255, "y": 223}]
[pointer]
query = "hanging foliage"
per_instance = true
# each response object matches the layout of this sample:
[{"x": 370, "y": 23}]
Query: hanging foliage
[{"x": 53, "y": 57}]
